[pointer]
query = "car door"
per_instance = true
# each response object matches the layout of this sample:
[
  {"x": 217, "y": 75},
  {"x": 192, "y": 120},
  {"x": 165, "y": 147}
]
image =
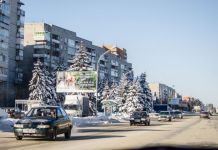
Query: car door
[{"x": 60, "y": 122}]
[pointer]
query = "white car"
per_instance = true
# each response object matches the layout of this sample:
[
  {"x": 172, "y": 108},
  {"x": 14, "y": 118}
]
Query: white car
[
  {"x": 154, "y": 116},
  {"x": 165, "y": 116}
]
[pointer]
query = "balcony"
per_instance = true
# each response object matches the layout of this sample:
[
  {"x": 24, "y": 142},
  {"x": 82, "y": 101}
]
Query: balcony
[
  {"x": 94, "y": 54},
  {"x": 20, "y": 23},
  {"x": 42, "y": 46},
  {"x": 19, "y": 46},
  {"x": 3, "y": 77},
  {"x": 18, "y": 80},
  {"x": 19, "y": 69},
  {"x": 19, "y": 35},
  {"x": 55, "y": 41},
  {"x": 114, "y": 63},
  {"x": 19, "y": 58},
  {"x": 40, "y": 56},
  {"x": 20, "y": 12}
]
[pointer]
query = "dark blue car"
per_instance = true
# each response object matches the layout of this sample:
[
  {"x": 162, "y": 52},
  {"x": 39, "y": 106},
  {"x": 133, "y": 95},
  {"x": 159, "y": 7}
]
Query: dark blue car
[{"x": 44, "y": 121}]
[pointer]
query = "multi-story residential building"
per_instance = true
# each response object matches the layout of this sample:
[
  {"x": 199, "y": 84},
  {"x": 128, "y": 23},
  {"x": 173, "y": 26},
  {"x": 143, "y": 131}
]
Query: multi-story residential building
[
  {"x": 162, "y": 92},
  {"x": 53, "y": 45},
  {"x": 11, "y": 50}
]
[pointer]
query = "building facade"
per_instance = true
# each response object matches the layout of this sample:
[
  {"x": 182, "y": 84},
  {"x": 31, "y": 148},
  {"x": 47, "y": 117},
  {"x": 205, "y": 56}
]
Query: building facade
[
  {"x": 11, "y": 50},
  {"x": 54, "y": 45},
  {"x": 162, "y": 93}
]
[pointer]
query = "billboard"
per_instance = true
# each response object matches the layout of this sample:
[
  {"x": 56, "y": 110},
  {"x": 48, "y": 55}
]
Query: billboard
[{"x": 76, "y": 81}]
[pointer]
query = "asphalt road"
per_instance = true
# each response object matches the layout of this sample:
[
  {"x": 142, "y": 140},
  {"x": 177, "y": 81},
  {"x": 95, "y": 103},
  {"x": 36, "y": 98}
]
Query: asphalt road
[{"x": 190, "y": 131}]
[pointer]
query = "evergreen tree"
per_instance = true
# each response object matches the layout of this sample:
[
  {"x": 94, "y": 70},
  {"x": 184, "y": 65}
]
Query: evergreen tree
[
  {"x": 101, "y": 86},
  {"x": 50, "y": 81},
  {"x": 134, "y": 101},
  {"x": 37, "y": 83},
  {"x": 122, "y": 93},
  {"x": 147, "y": 96},
  {"x": 81, "y": 60},
  {"x": 40, "y": 85},
  {"x": 113, "y": 91}
]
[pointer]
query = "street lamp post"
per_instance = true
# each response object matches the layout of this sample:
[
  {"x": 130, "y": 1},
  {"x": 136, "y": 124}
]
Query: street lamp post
[{"x": 97, "y": 70}]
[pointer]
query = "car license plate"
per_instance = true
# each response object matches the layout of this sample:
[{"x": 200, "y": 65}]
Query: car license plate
[
  {"x": 137, "y": 120},
  {"x": 29, "y": 131}
]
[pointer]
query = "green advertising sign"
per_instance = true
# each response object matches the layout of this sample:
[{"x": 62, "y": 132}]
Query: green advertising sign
[{"x": 76, "y": 81}]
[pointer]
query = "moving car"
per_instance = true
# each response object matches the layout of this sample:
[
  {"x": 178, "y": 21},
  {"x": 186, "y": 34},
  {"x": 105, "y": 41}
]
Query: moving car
[
  {"x": 165, "y": 116},
  {"x": 139, "y": 117},
  {"x": 177, "y": 114},
  {"x": 44, "y": 121},
  {"x": 205, "y": 114}
]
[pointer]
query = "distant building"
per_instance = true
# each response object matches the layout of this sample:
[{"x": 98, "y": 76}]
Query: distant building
[
  {"x": 55, "y": 45},
  {"x": 162, "y": 92},
  {"x": 11, "y": 50}
]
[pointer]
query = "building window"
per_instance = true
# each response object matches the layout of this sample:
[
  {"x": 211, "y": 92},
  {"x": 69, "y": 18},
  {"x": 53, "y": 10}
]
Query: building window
[{"x": 3, "y": 71}]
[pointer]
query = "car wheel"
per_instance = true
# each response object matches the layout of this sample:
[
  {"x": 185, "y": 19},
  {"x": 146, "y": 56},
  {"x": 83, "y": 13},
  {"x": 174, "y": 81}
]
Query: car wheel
[
  {"x": 53, "y": 136},
  {"x": 170, "y": 120},
  {"x": 19, "y": 137},
  {"x": 149, "y": 123},
  {"x": 68, "y": 133},
  {"x": 130, "y": 124}
]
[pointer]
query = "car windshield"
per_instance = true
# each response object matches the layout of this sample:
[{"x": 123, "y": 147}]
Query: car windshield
[
  {"x": 164, "y": 113},
  {"x": 42, "y": 113},
  {"x": 139, "y": 114}
]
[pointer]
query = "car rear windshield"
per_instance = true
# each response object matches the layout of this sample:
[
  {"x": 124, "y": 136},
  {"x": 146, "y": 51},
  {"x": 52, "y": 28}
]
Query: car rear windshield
[
  {"x": 139, "y": 114},
  {"x": 42, "y": 113}
]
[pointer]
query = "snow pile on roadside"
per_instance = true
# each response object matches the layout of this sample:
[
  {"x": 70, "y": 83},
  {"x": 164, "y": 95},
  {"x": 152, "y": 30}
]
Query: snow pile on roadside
[
  {"x": 121, "y": 117},
  {"x": 90, "y": 121},
  {"x": 99, "y": 120},
  {"x": 6, "y": 125},
  {"x": 3, "y": 114}
]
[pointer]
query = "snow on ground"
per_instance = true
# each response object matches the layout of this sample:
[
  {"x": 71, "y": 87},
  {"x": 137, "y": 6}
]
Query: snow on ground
[
  {"x": 3, "y": 114},
  {"x": 6, "y": 125},
  {"x": 99, "y": 120}
]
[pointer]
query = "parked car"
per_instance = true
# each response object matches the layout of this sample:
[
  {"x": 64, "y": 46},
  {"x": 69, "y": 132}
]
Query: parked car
[
  {"x": 165, "y": 116},
  {"x": 139, "y": 117},
  {"x": 154, "y": 116},
  {"x": 177, "y": 114},
  {"x": 205, "y": 114},
  {"x": 44, "y": 121}
]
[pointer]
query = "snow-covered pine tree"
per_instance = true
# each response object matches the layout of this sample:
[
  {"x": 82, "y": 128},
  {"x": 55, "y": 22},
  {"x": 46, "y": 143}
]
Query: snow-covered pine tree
[
  {"x": 41, "y": 87},
  {"x": 147, "y": 96},
  {"x": 37, "y": 83},
  {"x": 81, "y": 60},
  {"x": 134, "y": 100},
  {"x": 113, "y": 91},
  {"x": 51, "y": 97},
  {"x": 122, "y": 92},
  {"x": 106, "y": 92},
  {"x": 101, "y": 86}
]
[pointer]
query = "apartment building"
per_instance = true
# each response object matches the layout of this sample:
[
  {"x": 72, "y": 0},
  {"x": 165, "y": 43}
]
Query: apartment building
[
  {"x": 11, "y": 50},
  {"x": 55, "y": 45},
  {"x": 162, "y": 92}
]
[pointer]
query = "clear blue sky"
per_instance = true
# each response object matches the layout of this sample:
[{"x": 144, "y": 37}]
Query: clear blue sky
[{"x": 174, "y": 41}]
